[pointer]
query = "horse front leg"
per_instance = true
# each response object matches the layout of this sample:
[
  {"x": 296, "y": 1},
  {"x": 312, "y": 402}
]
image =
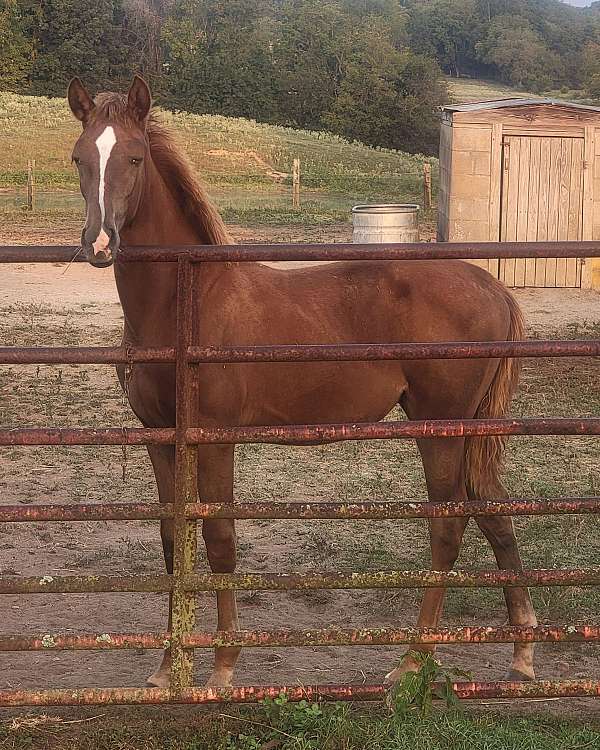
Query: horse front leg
[
  {"x": 163, "y": 463},
  {"x": 215, "y": 485}
]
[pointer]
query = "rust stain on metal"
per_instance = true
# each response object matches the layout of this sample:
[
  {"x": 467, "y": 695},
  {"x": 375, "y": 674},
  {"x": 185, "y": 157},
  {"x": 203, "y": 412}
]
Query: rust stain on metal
[
  {"x": 299, "y": 581},
  {"x": 82, "y": 355},
  {"x": 326, "y": 251},
  {"x": 301, "y": 434},
  {"x": 332, "y": 636},
  {"x": 84, "y": 584},
  {"x": 350, "y": 251},
  {"x": 183, "y": 601},
  {"x": 82, "y": 641},
  {"x": 256, "y": 693},
  {"x": 370, "y": 510},
  {"x": 437, "y": 428},
  {"x": 392, "y": 510},
  {"x": 391, "y": 579},
  {"x": 87, "y": 436},
  {"x": 85, "y": 512},
  {"x": 300, "y": 353},
  {"x": 400, "y": 351}
]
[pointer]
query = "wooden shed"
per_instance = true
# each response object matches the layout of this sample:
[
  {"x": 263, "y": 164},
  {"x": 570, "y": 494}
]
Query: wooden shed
[{"x": 523, "y": 170}]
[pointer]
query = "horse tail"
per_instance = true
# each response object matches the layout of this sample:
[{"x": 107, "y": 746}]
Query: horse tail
[{"x": 484, "y": 455}]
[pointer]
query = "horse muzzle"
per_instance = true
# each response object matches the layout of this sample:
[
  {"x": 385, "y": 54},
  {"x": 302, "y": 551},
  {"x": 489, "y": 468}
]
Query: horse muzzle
[{"x": 101, "y": 251}]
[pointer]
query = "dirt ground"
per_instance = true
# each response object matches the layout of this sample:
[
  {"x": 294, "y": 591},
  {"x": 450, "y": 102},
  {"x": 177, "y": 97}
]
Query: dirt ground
[{"x": 46, "y": 304}]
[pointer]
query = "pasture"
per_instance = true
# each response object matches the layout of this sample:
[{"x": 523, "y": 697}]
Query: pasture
[
  {"x": 478, "y": 89},
  {"x": 248, "y": 166},
  {"x": 50, "y": 306}
]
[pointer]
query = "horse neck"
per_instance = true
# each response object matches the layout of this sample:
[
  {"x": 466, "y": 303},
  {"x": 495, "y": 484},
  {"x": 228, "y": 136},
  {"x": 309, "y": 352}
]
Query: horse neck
[{"x": 148, "y": 290}]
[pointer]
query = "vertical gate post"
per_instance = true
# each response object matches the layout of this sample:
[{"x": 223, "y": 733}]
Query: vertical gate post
[{"x": 183, "y": 603}]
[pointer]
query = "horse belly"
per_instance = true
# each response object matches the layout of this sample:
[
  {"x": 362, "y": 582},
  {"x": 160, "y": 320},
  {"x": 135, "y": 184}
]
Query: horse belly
[{"x": 312, "y": 392}]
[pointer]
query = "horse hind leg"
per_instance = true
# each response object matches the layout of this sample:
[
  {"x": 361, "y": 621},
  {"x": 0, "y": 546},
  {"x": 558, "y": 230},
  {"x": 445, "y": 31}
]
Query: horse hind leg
[
  {"x": 500, "y": 533},
  {"x": 215, "y": 485},
  {"x": 443, "y": 463}
]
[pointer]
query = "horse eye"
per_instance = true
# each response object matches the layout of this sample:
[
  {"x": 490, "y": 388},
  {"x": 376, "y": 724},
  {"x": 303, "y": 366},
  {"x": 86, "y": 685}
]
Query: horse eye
[
  {"x": 76, "y": 160},
  {"x": 135, "y": 161}
]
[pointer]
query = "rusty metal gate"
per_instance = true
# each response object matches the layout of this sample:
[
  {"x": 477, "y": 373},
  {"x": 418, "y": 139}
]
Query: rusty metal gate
[{"x": 186, "y": 510}]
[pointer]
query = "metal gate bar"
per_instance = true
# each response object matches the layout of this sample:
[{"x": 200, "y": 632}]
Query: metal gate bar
[
  {"x": 399, "y": 579},
  {"x": 332, "y": 636},
  {"x": 256, "y": 693},
  {"x": 300, "y": 434},
  {"x": 371, "y": 510},
  {"x": 184, "y": 509},
  {"x": 325, "y": 251},
  {"x": 298, "y": 353}
]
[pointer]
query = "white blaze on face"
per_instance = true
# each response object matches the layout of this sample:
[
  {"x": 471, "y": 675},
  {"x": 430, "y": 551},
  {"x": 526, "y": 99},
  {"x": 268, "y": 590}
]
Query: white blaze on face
[{"x": 105, "y": 144}]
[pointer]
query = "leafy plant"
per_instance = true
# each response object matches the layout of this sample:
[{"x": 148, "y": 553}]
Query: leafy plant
[
  {"x": 416, "y": 691},
  {"x": 299, "y": 716}
]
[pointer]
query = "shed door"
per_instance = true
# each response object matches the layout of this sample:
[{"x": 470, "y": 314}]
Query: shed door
[{"x": 542, "y": 199}]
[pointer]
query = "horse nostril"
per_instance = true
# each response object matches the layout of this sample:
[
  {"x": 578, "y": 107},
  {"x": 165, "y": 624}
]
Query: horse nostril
[{"x": 101, "y": 259}]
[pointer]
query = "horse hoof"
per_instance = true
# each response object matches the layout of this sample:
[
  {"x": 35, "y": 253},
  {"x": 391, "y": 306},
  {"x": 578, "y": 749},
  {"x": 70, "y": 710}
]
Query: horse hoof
[
  {"x": 220, "y": 679},
  {"x": 406, "y": 666},
  {"x": 515, "y": 675},
  {"x": 160, "y": 679}
]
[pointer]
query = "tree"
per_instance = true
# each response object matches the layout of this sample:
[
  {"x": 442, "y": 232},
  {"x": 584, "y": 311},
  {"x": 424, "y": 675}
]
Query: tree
[
  {"x": 218, "y": 58},
  {"x": 77, "y": 37},
  {"x": 519, "y": 53},
  {"x": 309, "y": 55},
  {"x": 15, "y": 48},
  {"x": 445, "y": 30},
  {"x": 387, "y": 97},
  {"x": 590, "y": 69}
]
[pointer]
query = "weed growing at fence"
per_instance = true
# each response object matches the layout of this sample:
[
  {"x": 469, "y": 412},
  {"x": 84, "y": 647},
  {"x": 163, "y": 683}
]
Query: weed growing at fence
[{"x": 415, "y": 692}]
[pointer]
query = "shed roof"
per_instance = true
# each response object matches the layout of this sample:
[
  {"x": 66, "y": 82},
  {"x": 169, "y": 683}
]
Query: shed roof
[{"x": 515, "y": 102}]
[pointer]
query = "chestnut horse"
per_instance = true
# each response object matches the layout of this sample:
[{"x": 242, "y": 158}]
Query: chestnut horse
[{"x": 140, "y": 189}]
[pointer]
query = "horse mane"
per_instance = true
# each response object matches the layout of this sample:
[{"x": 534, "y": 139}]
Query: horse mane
[{"x": 173, "y": 166}]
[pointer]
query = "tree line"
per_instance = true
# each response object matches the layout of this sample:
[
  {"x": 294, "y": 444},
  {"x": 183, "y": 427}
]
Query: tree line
[{"x": 369, "y": 70}]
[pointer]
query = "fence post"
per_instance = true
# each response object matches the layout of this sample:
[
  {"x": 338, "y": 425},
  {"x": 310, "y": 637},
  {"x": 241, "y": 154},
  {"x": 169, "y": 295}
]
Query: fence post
[
  {"x": 182, "y": 601},
  {"x": 30, "y": 184},
  {"x": 426, "y": 186},
  {"x": 296, "y": 184}
]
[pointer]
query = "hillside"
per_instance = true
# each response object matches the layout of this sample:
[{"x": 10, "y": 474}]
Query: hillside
[
  {"x": 477, "y": 89},
  {"x": 465, "y": 90},
  {"x": 226, "y": 151}
]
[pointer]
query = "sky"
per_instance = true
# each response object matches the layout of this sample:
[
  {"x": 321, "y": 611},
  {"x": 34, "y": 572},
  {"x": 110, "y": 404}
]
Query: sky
[{"x": 579, "y": 3}]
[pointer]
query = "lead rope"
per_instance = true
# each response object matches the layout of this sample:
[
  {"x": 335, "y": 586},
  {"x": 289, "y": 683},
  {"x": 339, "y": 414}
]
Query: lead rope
[
  {"x": 70, "y": 263},
  {"x": 126, "y": 380}
]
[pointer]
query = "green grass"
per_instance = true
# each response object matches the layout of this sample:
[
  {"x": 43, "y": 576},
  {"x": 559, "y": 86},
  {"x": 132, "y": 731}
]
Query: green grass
[
  {"x": 299, "y": 727},
  {"x": 464, "y": 90},
  {"x": 229, "y": 153}
]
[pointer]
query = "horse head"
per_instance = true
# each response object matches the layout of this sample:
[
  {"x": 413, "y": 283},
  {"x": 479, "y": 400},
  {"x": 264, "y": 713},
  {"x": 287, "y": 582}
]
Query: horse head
[{"x": 110, "y": 155}]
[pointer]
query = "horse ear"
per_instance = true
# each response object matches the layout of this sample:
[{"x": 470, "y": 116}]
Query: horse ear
[
  {"x": 139, "y": 99},
  {"x": 81, "y": 103}
]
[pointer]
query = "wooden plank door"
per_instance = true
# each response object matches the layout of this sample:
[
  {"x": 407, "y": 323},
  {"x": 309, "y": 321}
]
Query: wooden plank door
[{"x": 542, "y": 200}]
